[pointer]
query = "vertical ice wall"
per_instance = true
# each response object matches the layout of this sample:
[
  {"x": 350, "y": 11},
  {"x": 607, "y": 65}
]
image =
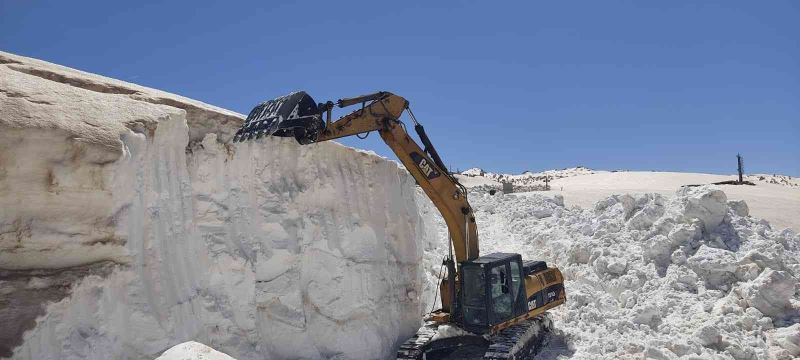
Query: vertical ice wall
[{"x": 128, "y": 225}]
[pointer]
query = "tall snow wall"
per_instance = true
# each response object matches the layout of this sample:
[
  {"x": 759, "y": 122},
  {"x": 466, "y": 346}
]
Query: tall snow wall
[{"x": 129, "y": 224}]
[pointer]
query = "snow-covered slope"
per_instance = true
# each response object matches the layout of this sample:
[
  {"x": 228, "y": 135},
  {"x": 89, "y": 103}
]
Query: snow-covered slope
[
  {"x": 128, "y": 224},
  {"x": 651, "y": 276}
]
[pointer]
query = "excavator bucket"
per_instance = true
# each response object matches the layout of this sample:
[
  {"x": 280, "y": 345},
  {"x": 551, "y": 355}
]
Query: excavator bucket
[{"x": 294, "y": 115}]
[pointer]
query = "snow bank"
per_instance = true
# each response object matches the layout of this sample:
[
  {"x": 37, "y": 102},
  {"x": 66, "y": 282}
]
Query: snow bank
[
  {"x": 128, "y": 224},
  {"x": 654, "y": 276}
]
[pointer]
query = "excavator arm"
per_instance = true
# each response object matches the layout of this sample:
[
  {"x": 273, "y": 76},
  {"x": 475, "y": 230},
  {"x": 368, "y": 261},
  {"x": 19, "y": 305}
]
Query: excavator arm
[
  {"x": 297, "y": 115},
  {"x": 382, "y": 114}
]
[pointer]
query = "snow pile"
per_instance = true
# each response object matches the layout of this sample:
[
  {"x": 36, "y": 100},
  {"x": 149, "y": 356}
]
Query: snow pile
[
  {"x": 784, "y": 180},
  {"x": 448, "y": 331},
  {"x": 473, "y": 172},
  {"x": 480, "y": 180},
  {"x": 661, "y": 277},
  {"x": 192, "y": 350},
  {"x": 128, "y": 224},
  {"x": 477, "y": 176},
  {"x": 780, "y": 204}
]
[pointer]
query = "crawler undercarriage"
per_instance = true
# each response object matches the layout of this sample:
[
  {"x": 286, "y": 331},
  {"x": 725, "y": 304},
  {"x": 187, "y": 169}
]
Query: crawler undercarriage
[{"x": 517, "y": 342}]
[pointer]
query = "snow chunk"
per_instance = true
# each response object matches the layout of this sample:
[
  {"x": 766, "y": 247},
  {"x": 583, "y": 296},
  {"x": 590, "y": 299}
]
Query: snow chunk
[
  {"x": 649, "y": 208},
  {"x": 788, "y": 341},
  {"x": 739, "y": 207},
  {"x": 617, "y": 266},
  {"x": 716, "y": 266},
  {"x": 706, "y": 203},
  {"x": 473, "y": 172},
  {"x": 708, "y": 336},
  {"x": 770, "y": 292},
  {"x": 448, "y": 331},
  {"x": 192, "y": 350},
  {"x": 681, "y": 278}
]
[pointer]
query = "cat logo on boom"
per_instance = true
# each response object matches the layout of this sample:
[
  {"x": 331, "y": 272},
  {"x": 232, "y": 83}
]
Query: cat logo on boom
[{"x": 424, "y": 166}]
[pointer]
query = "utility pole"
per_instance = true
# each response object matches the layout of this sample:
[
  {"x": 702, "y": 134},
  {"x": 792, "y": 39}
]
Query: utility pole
[{"x": 741, "y": 167}]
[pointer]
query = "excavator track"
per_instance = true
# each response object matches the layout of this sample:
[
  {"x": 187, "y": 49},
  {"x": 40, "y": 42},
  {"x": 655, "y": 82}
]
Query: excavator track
[
  {"x": 414, "y": 348},
  {"x": 518, "y": 342}
]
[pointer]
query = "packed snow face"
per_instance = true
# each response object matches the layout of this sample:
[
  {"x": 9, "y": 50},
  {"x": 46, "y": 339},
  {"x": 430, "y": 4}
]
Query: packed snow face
[
  {"x": 128, "y": 224},
  {"x": 689, "y": 275}
]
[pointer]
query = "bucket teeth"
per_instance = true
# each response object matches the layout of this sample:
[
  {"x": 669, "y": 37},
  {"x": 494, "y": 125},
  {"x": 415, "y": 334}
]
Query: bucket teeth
[{"x": 294, "y": 115}]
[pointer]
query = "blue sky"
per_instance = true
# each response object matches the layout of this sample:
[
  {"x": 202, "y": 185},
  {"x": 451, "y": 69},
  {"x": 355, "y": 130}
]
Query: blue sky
[{"x": 507, "y": 86}]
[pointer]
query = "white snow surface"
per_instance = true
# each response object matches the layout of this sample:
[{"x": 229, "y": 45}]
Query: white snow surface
[
  {"x": 192, "y": 350},
  {"x": 128, "y": 224},
  {"x": 648, "y": 275}
]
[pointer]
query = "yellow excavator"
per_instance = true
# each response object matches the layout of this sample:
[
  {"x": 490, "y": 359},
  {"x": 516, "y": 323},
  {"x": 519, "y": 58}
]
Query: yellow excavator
[{"x": 494, "y": 304}]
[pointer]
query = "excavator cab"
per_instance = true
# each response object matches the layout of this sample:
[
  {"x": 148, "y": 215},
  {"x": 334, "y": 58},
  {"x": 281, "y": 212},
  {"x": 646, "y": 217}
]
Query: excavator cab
[{"x": 493, "y": 291}]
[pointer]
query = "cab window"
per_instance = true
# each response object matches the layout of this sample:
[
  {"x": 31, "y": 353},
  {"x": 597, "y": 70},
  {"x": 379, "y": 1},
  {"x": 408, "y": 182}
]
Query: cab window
[
  {"x": 516, "y": 280},
  {"x": 474, "y": 295},
  {"x": 501, "y": 293}
]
